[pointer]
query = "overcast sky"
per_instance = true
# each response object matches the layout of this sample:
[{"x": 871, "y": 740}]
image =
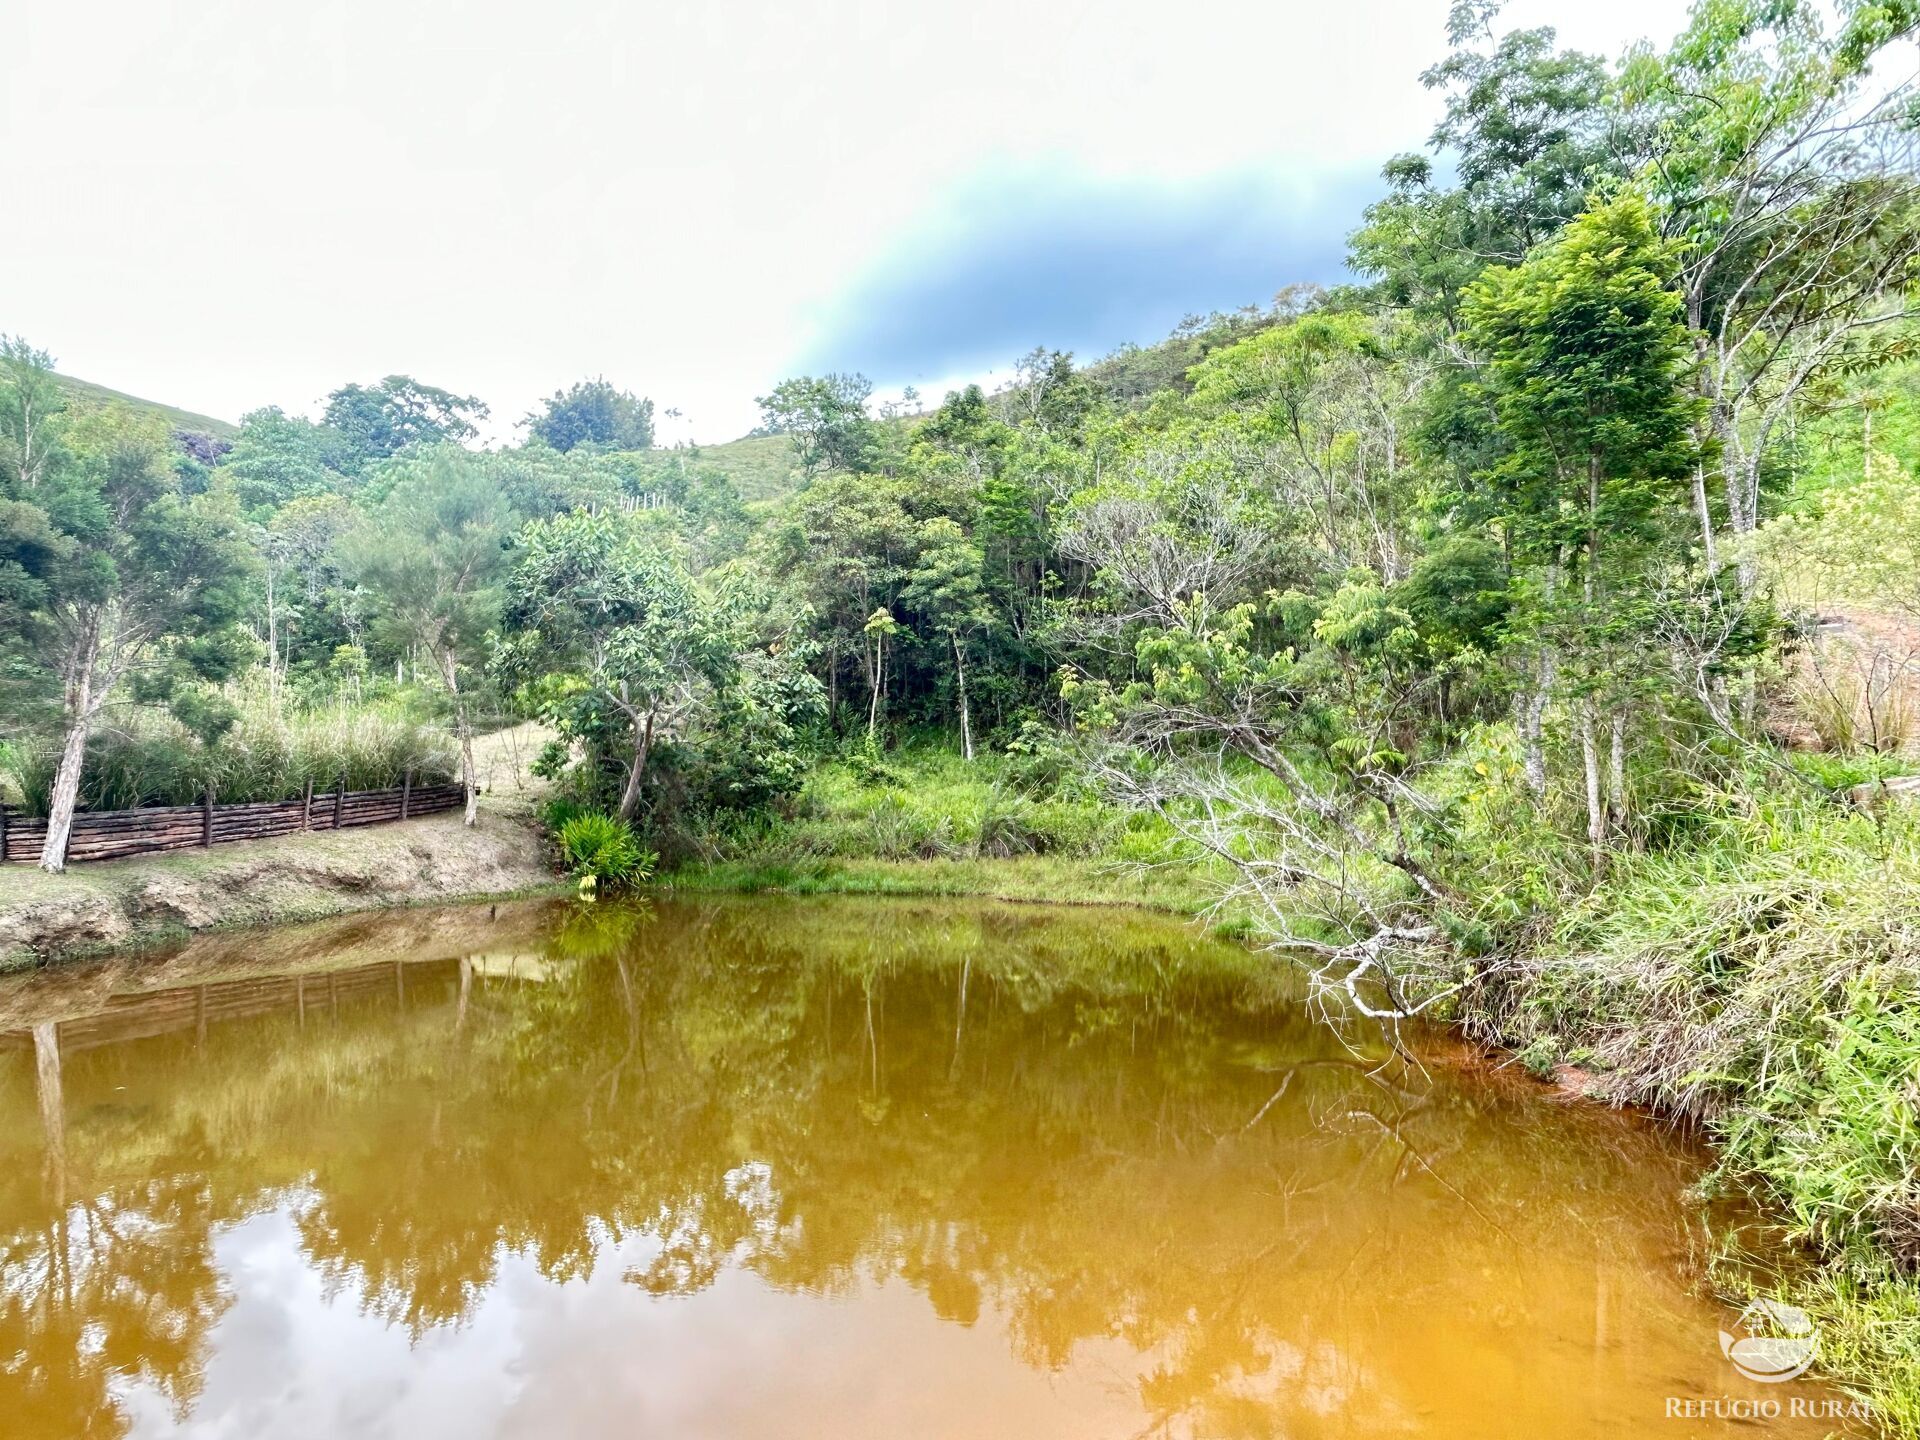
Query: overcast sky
[{"x": 225, "y": 204}]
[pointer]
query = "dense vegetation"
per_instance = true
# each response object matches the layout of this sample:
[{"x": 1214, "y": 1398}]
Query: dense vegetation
[{"x": 1518, "y": 634}]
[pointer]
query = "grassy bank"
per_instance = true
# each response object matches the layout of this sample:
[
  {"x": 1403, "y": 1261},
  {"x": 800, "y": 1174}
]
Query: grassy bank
[
  {"x": 1763, "y": 978},
  {"x": 923, "y": 821}
]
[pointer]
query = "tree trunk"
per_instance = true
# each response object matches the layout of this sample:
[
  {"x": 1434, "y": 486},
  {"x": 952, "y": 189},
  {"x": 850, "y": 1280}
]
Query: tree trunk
[
  {"x": 966, "y": 720},
  {"x": 643, "y": 742},
  {"x": 450, "y": 672},
  {"x": 879, "y": 684},
  {"x": 1533, "y": 726},
  {"x": 1590, "y": 761},
  {"x": 1706, "y": 518},
  {"x": 80, "y": 708}
]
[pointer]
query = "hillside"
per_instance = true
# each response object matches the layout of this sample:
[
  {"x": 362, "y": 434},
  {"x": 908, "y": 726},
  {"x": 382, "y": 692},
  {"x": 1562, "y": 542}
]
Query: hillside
[
  {"x": 85, "y": 395},
  {"x": 760, "y": 466}
]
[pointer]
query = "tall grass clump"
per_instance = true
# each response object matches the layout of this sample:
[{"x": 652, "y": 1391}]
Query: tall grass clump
[{"x": 145, "y": 757}]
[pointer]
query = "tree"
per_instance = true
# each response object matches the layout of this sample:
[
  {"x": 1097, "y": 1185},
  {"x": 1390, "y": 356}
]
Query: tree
[
  {"x": 593, "y": 413},
  {"x": 279, "y": 457},
  {"x": 1531, "y": 133},
  {"x": 1587, "y": 359},
  {"x": 1789, "y": 175},
  {"x": 105, "y": 569},
  {"x": 946, "y": 587},
  {"x": 826, "y": 416},
  {"x": 384, "y": 419},
  {"x": 604, "y": 616},
  {"x": 432, "y": 557}
]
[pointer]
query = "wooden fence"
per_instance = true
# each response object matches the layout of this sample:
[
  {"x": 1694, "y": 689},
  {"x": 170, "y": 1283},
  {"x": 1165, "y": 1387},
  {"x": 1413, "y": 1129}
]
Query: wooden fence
[{"x": 112, "y": 834}]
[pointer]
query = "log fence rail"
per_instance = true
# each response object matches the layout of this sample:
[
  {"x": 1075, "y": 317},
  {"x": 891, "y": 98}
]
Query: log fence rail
[{"x": 114, "y": 834}]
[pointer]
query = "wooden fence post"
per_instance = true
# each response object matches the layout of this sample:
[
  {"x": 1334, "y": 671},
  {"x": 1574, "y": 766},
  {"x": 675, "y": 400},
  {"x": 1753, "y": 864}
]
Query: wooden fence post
[
  {"x": 339, "y": 799},
  {"x": 306, "y": 806},
  {"x": 3, "y": 832},
  {"x": 206, "y": 817},
  {"x": 406, "y": 791}
]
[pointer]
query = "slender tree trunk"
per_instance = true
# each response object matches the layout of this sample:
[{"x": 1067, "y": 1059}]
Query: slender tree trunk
[
  {"x": 450, "y": 672},
  {"x": 966, "y": 721},
  {"x": 1533, "y": 718},
  {"x": 1590, "y": 760},
  {"x": 643, "y": 743},
  {"x": 1707, "y": 545},
  {"x": 273, "y": 645},
  {"x": 879, "y": 684},
  {"x": 80, "y": 708}
]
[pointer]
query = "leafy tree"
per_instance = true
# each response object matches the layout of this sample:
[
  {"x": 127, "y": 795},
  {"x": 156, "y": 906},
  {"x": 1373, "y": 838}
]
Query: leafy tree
[
  {"x": 1531, "y": 132},
  {"x": 593, "y": 413},
  {"x": 279, "y": 457},
  {"x": 432, "y": 557},
  {"x": 1588, "y": 355},
  {"x": 384, "y": 419},
  {"x": 107, "y": 573},
  {"x": 610, "y": 628},
  {"x": 1785, "y": 165},
  {"x": 826, "y": 416},
  {"x": 946, "y": 588}
]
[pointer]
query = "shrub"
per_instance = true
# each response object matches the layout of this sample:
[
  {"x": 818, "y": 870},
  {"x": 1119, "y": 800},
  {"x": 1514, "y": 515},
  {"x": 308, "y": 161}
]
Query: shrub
[{"x": 598, "y": 845}]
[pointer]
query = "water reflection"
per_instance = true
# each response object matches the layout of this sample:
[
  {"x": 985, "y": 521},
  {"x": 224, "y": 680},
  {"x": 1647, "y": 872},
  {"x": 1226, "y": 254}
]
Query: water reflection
[{"x": 772, "y": 1168}]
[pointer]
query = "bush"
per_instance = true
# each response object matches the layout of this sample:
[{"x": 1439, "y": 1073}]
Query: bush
[{"x": 598, "y": 845}]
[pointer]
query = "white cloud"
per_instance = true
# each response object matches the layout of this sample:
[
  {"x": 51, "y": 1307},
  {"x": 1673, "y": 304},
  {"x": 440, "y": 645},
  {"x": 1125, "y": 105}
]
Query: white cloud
[{"x": 225, "y": 204}]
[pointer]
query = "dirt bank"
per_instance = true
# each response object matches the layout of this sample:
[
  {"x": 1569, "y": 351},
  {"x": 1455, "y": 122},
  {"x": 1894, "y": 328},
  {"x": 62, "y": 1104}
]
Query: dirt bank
[{"x": 114, "y": 904}]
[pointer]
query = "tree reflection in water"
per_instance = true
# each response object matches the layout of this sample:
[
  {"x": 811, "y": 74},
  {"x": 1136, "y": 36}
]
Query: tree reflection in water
[{"x": 1121, "y": 1148}]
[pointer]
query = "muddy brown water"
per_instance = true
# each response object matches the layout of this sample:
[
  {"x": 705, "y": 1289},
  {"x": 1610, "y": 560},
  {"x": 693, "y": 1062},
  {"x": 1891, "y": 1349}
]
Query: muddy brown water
[{"x": 814, "y": 1168}]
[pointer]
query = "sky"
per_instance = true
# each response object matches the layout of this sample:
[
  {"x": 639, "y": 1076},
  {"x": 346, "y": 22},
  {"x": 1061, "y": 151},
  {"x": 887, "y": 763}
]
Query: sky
[{"x": 225, "y": 204}]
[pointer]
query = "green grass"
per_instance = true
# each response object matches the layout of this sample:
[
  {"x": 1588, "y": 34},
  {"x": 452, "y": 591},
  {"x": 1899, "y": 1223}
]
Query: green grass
[
  {"x": 760, "y": 466},
  {"x": 923, "y": 821},
  {"x": 85, "y": 395}
]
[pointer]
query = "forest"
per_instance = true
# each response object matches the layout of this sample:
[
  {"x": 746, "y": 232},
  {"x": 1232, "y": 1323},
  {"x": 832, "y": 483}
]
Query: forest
[{"x": 1522, "y": 634}]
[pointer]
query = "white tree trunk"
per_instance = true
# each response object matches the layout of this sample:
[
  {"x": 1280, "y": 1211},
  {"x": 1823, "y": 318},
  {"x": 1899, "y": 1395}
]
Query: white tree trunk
[
  {"x": 1533, "y": 726},
  {"x": 966, "y": 720},
  {"x": 643, "y": 744},
  {"x": 81, "y": 705},
  {"x": 1590, "y": 760},
  {"x": 450, "y": 672}
]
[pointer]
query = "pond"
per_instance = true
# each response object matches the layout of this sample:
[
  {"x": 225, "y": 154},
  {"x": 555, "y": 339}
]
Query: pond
[{"x": 813, "y": 1168}]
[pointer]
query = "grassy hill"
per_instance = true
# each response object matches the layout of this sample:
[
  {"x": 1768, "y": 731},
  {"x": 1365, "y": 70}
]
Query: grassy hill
[
  {"x": 85, "y": 395},
  {"x": 760, "y": 466}
]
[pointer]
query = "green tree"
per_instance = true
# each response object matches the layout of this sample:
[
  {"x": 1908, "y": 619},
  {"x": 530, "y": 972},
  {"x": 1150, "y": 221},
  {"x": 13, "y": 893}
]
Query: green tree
[
  {"x": 432, "y": 557},
  {"x": 593, "y": 413},
  {"x": 384, "y": 419},
  {"x": 1588, "y": 357},
  {"x": 946, "y": 588},
  {"x": 1783, "y": 160},
  {"x": 107, "y": 573},
  {"x": 826, "y": 417},
  {"x": 279, "y": 457},
  {"x": 608, "y": 625}
]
